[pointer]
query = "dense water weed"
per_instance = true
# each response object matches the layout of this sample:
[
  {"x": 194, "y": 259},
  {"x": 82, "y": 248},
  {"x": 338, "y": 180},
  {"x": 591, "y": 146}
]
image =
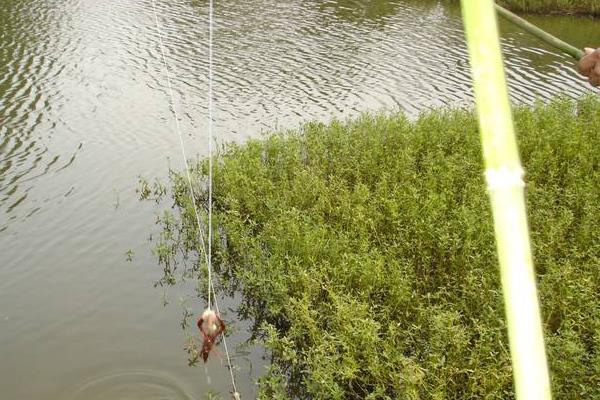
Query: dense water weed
[{"x": 365, "y": 253}]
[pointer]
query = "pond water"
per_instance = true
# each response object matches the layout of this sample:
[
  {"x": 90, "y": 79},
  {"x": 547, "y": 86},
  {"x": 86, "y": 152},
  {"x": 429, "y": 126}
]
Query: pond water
[{"x": 84, "y": 110}]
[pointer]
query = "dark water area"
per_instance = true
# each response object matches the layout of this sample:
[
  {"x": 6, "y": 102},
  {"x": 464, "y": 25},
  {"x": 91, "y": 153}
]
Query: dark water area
[{"x": 84, "y": 110}]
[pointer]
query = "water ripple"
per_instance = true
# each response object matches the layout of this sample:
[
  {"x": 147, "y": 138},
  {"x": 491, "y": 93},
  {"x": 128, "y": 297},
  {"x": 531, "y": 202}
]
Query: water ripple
[
  {"x": 132, "y": 384},
  {"x": 84, "y": 109}
]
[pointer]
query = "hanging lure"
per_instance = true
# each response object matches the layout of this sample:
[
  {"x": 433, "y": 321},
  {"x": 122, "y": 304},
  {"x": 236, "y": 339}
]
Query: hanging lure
[{"x": 211, "y": 327}]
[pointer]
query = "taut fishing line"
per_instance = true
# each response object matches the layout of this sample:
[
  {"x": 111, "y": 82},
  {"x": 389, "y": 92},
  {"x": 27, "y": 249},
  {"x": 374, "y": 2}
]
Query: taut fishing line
[{"x": 211, "y": 295}]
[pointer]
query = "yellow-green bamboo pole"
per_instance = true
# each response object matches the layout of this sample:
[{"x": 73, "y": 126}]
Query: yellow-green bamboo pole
[{"x": 504, "y": 176}]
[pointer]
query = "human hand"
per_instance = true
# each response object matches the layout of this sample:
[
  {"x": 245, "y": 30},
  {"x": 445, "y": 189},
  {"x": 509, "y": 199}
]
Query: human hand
[{"x": 589, "y": 65}]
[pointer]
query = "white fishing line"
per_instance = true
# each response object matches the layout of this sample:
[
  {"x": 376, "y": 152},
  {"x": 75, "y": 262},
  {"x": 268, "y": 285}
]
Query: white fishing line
[{"x": 207, "y": 254}]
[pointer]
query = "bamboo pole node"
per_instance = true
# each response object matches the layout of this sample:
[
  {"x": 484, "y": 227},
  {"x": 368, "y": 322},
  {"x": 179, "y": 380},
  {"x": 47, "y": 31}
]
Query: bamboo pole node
[{"x": 504, "y": 178}]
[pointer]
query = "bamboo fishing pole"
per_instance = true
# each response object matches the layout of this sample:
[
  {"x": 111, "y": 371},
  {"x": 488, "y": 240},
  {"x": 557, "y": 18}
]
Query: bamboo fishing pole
[
  {"x": 504, "y": 175},
  {"x": 540, "y": 33}
]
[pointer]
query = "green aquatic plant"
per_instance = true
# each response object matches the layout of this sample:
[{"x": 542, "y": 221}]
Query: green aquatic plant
[
  {"x": 365, "y": 255},
  {"x": 211, "y": 395}
]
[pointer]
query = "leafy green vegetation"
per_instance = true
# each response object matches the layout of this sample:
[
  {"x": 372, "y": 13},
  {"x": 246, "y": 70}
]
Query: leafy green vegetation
[
  {"x": 554, "y": 6},
  {"x": 365, "y": 253}
]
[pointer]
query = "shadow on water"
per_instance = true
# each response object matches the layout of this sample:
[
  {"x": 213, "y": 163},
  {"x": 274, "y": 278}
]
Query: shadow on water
[{"x": 585, "y": 34}]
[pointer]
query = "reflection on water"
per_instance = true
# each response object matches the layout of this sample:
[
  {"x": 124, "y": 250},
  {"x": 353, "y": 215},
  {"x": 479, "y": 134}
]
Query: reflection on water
[
  {"x": 357, "y": 11},
  {"x": 84, "y": 110},
  {"x": 28, "y": 100}
]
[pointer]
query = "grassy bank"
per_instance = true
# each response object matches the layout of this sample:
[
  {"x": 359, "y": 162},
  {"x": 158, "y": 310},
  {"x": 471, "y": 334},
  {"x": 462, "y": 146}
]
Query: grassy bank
[
  {"x": 365, "y": 253},
  {"x": 554, "y": 6}
]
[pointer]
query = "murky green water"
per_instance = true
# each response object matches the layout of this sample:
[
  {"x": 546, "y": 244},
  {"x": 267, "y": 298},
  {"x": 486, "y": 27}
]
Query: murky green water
[{"x": 84, "y": 110}]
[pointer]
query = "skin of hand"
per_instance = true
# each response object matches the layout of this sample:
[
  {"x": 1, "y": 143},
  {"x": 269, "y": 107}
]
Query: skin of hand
[{"x": 589, "y": 65}]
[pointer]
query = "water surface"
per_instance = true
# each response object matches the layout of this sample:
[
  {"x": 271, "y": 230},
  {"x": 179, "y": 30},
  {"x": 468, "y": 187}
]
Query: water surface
[{"x": 84, "y": 110}]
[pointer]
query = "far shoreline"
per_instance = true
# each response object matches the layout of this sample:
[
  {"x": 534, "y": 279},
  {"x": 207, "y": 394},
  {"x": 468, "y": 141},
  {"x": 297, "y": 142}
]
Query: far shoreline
[{"x": 547, "y": 7}]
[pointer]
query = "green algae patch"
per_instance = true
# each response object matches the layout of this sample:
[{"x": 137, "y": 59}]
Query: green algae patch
[{"x": 365, "y": 254}]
